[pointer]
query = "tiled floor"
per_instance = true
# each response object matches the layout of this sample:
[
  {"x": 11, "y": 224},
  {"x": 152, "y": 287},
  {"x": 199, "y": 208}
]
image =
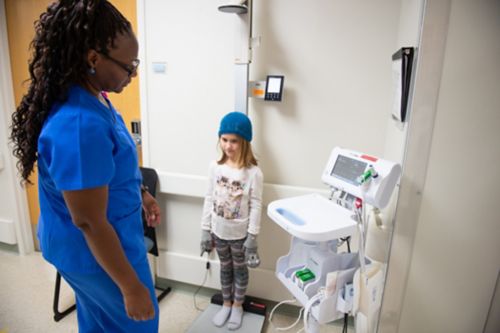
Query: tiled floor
[{"x": 26, "y": 294}]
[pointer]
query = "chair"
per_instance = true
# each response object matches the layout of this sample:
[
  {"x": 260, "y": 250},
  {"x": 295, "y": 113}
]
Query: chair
[{"x": 150, "y": 181}]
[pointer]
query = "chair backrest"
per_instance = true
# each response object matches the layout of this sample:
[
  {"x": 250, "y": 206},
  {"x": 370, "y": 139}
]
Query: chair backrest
[{"x": 150, "y": 180}]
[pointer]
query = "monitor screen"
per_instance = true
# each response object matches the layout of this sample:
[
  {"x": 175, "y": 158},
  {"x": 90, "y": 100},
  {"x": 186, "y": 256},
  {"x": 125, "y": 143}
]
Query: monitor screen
[
  {"x": 348, "y": 169},
  {"x": 274, "y": 85}
]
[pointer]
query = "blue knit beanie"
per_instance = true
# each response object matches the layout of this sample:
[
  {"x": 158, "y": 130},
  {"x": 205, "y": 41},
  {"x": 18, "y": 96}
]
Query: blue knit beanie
[{"x": 236, "y": 123}]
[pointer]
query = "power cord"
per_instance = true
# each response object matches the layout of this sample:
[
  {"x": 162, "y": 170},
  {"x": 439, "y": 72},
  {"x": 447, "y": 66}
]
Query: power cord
[
  {"x": 348, "y": 242},
  {"x": 313, "y": 300},
  {"x": 346, "y": 319},
  {"x": 202, "y": 284},
  {"x": 288, "y": 301}
]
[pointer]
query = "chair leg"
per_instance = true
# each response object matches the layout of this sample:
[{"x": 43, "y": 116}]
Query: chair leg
[
  {"x": 60, "y": 315},
  {"x": 164, "y": 292}
]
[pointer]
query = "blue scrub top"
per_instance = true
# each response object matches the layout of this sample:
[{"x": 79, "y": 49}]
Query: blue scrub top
[{"x": 85, "y": 145}]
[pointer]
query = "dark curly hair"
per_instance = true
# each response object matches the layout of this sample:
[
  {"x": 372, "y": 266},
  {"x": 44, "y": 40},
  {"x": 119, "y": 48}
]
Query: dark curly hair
[{"x": 63, "y": 36}]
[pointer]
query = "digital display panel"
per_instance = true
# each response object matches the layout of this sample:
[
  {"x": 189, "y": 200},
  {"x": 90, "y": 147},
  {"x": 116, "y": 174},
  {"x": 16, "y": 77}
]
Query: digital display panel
[
  {"x": 274, "y": 85},
  {"x": 274, "y": 88},
  {"x": 348, "y": 169}
]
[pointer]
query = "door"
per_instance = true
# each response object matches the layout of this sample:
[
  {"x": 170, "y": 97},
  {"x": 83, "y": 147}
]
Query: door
[{"x": 15, "y": 230}]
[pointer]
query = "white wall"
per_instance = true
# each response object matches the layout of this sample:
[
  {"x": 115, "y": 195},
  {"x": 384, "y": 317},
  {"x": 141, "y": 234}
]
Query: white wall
[
  {"x": 456, "y": 255},
  {"x": 336, "y": 58},
  {"x": 410, "y": 21},
  {"x": 444, "y": 258}
]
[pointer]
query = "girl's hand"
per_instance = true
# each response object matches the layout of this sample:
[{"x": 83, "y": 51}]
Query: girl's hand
[
  {"x": 151, "y": 209},
  {"x": 251, "y": 256}
]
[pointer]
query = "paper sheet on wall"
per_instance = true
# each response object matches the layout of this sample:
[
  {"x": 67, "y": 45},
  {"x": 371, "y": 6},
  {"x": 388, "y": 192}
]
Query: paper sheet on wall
[{"x": 397, "y": 88}]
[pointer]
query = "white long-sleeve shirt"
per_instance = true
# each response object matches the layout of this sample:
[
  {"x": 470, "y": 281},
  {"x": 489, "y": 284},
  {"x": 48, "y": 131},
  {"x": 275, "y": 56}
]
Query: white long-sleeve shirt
[{"x": 233, "y": 202}]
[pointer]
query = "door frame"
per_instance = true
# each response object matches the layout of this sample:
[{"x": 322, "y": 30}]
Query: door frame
[{"x": 22, "y": 223}]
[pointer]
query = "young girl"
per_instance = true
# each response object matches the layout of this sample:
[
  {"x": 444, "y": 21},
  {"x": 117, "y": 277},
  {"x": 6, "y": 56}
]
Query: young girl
[{"x": 231, "y": 214}]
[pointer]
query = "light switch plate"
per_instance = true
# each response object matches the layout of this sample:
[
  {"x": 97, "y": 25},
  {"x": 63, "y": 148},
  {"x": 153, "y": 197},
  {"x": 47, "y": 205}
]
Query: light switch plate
[{"x": 159, "y": 67}]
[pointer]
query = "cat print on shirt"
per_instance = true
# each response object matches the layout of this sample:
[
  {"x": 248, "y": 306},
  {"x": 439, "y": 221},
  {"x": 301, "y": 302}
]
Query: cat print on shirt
[{"x": 228, "y": 196}]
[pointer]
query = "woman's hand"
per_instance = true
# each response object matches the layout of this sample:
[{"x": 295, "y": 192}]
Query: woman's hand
[
  {"x": 151, "y": 209},
  {"x": 138, "y": 304}
]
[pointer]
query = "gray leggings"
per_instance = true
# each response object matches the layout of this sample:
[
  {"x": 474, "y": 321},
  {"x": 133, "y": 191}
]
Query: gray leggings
[{"x": 233, "y": 268}]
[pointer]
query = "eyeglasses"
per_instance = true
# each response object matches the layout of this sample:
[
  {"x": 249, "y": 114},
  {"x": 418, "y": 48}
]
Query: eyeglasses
[{"x": 130, "y": 69}]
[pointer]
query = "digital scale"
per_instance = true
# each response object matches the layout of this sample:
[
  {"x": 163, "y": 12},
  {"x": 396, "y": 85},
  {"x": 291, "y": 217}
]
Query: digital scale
[{"x": 253, "y": 318}]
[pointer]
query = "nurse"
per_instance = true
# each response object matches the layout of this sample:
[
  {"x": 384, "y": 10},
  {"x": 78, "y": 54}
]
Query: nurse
[{"x": 90, "y": 193}]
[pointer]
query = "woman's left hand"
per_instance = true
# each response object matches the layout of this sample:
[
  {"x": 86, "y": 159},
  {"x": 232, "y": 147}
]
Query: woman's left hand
[{"x": 151, "y": 209}]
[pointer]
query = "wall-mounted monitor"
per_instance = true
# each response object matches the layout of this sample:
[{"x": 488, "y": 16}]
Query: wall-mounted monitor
[{"x": 274, "y": 88}]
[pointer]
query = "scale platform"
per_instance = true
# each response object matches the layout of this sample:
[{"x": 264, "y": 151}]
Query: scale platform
[
  {"x": 312, "y": 217},
  {"x": 253, "y": 317}
]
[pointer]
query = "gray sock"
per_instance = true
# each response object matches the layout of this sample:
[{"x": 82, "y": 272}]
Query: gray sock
[
  {"x": 235, "y": 319},
  {"x": 221, "y": 316}
]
